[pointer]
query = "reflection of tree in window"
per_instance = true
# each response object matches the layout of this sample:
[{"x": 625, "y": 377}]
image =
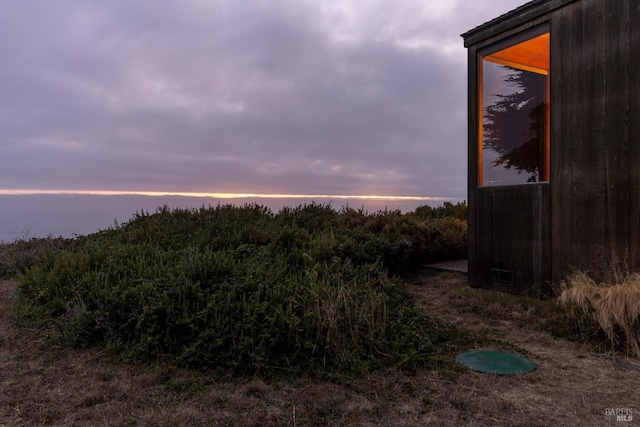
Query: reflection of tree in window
[{"x": 513, "y": 123}]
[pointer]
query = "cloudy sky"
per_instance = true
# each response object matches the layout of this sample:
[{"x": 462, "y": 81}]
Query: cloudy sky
[{"x": 341, "y": 97}]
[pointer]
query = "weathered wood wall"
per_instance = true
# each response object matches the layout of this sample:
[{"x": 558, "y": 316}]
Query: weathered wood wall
[
  {"x": 588, "y": 216},
  {"x": 594, "y": 141},
  {"x": 513, "y": 237}
]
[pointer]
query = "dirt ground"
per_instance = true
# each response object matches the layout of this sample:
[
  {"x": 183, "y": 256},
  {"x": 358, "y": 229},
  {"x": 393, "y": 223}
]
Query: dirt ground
[{"x": 572, "y": 386}]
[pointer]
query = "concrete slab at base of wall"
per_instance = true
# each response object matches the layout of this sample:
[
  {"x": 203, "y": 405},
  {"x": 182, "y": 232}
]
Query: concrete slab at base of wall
[{"x": 461, "y": 266}]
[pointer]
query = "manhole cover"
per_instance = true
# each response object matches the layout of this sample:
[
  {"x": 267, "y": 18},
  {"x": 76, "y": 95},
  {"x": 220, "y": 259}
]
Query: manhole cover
[{"x": 495, "y": 362}]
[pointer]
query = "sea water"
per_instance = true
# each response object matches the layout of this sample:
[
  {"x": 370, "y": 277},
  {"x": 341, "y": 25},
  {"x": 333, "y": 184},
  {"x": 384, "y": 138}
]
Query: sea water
[{"x": 66, "y": 215}]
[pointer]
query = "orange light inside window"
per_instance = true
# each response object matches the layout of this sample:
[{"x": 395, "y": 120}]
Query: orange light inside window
[{"x": 514, "y": 113}]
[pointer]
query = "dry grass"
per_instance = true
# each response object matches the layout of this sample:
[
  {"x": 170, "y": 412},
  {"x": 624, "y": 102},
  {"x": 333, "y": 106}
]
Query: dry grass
[
  {"x": 573, "y": 386},
  {"x": 613, "y": 306}
]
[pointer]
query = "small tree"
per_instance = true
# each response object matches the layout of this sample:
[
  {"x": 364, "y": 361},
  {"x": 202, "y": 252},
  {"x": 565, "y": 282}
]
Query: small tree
[{"x": 513, "y": 124}]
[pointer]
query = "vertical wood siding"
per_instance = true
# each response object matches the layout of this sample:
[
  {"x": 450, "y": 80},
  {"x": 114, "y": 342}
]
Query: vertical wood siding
[
  {"x": 595, "y": 202},
  {"x": 472, "y": 160},
  {"x": 513, "y": 237},
  {"x": 588, "y": 217},
  {"x": 633, "y": 133}
]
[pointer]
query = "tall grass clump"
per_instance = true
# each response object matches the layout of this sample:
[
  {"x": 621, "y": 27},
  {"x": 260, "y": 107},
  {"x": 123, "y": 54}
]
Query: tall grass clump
[
  {"x": 241, "y": 289},
  {"x": 610, "y": 307}
]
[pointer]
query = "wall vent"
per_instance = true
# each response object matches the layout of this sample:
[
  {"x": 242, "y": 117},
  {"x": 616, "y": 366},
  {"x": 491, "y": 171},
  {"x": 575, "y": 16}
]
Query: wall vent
[{"x": 501, "y": 276}]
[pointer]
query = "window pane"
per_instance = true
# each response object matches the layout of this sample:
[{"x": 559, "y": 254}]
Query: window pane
[{"x": 515, "y": 114}]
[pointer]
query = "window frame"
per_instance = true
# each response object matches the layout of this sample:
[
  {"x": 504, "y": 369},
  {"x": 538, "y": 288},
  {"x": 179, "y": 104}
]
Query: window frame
[{"x": 544, "y": 174}]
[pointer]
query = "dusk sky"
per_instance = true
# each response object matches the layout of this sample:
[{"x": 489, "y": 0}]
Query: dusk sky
[{"x": 352, "y": 97}]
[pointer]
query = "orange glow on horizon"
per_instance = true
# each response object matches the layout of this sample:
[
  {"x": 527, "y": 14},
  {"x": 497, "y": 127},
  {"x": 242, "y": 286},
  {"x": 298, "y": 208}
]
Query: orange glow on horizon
[{"x": 14, "y": 192}]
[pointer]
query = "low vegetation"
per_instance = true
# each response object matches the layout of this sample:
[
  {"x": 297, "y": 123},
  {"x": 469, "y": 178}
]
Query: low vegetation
[
  {"x": 310, "y": 293},
  {"x": 52, "y": 385},
  {"x": 606, "y": 310},
  {"x": 244, "y": 290}
]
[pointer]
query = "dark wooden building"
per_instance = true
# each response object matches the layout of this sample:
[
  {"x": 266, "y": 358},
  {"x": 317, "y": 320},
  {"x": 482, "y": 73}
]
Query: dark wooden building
[{"x": 554, "y": 142}]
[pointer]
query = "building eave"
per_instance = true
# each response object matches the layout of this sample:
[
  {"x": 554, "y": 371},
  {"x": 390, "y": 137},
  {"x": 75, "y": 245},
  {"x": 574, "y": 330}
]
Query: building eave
[{"x": 528, "y": 11}]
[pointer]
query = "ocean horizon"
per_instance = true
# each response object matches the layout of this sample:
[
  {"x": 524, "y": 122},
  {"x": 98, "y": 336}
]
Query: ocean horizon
[{"x": 23, "y": 217}]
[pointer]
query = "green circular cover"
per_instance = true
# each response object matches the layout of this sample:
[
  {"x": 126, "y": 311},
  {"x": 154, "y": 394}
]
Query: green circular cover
[{"x": 495, "y": 362}]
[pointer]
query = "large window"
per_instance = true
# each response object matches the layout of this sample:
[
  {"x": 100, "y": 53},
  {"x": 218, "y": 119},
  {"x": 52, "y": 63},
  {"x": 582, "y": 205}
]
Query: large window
[{"x": 514, "y": 108}]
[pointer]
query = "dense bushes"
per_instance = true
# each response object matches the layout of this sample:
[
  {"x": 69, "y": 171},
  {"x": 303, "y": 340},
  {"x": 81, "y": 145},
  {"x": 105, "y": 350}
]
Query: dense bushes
[
  {"x": 240, "y": 288},
  {"x": 19, "y": 256},
  {"x": 446, "y": 210}
]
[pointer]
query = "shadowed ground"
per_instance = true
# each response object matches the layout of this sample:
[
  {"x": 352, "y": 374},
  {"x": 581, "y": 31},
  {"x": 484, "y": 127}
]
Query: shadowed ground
[{"x": 572, "y": 386}]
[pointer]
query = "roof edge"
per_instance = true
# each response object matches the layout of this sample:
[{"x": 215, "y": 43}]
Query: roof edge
[{"x": 533, "y": 9}]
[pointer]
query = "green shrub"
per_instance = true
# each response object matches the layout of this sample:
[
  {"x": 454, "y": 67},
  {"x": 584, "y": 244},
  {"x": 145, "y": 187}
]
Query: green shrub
[
  {"x": 241, "y": 289},
  {"x": 446, "y": 210},
  {"x": 447, "y": 225},
  {"x": 18, "y": 256},
  {"x": 449, "y": 238}
]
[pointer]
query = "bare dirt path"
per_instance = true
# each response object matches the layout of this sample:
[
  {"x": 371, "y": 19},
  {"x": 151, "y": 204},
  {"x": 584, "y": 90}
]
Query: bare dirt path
[{"x": 573, "y": 386}]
